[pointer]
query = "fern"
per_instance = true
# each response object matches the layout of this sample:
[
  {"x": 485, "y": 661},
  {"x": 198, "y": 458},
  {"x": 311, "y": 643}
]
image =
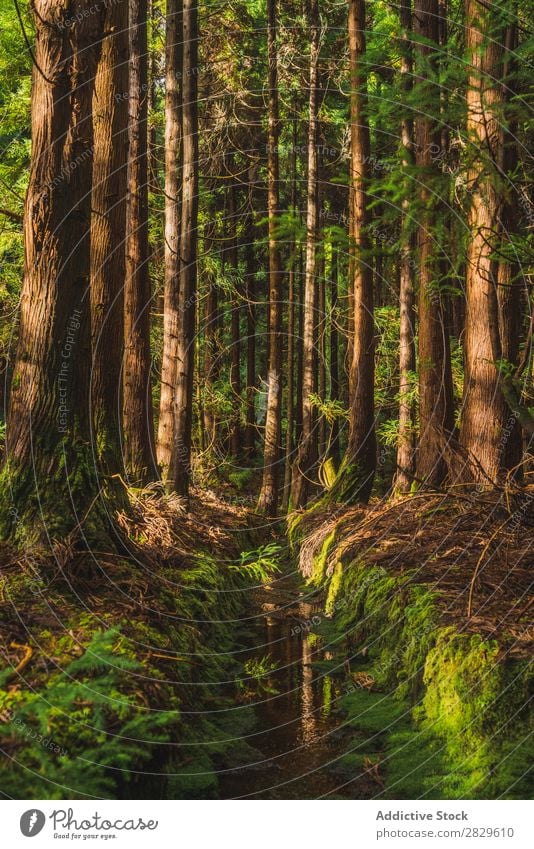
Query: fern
[
  {"x": 260, "y": 564},
  {"x": 85, "y": 732}
]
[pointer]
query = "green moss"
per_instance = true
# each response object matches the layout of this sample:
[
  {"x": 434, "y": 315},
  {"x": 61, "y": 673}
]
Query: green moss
[
  {"x": 451, "y": 714},
  {"x": 297, "y": 522},
  {"x": 320, "y": 562},
  {"x": 334, "y": 587},
  {"x": 414, "y": 765},
  {"x": 353, "y": 485},
  {"x": 39, "y": 504},
  {"x": 477, "y": 701},
  {"x": 374, "y": 713}
]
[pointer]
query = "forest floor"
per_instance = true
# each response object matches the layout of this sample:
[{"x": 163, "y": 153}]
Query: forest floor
[{"x": 212, "y": 662}]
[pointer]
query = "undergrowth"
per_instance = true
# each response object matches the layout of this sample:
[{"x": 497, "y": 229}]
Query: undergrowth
[{"x": 114, "y": 691}]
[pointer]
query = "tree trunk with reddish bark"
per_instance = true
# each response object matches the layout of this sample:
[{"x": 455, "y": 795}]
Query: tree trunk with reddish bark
[
  {"x": 108, "y": 231},
  {"x": 49, "y": 483},
  {"x": 354, "y": 480},
  {"x": 139, "y": 447},
  {"x": 305, "y": 459},
  {"x": 406, "y": 437},
  {"x": 435, "y": 380},
  {"x": 269, "y": 493},
  {"x": 173, "y": 156},
  {"x": 180, "y": 466},
  {"x": 491, "y": 331}
]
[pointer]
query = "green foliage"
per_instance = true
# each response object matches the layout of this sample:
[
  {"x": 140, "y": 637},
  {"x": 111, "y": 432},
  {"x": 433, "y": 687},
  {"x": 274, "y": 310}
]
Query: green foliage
[
  {"x": 457, "y": 368},
  {"x": 387, "y": 395},
  {"x": 261, "y": 564},
  {"x": 15, "y": 65},
  {"x": 97, "y": 706},
  {"x": 255, "y": 680},
  {"x": 320, "y": 561},
  {"x": 331, "y": 410},
  {"x": 85, "y": 731},
  {"x": 327, "y": 473},
  {"x": 240, "y": 478}
]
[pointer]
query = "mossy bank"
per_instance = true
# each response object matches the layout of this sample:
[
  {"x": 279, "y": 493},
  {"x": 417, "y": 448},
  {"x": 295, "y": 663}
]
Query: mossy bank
[{"x": 437, "y": 700}]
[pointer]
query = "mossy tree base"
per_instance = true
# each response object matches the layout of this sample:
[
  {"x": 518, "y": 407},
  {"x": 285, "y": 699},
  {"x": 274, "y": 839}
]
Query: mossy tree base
[
  {"x": 353, "y": 484},
  {"x": 38, "y": 506}
]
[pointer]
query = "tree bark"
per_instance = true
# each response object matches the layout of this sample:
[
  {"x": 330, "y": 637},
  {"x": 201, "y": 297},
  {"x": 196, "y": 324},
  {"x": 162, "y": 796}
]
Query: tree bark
[
  {"x": 235, "y": 323},
  {"x": 211, "y": 347},
  {"x": 173, "y": 156},
  {"x": 153, "y": 74},
  {"x": 250, "y": 427},
  {"x": 435, "y": 381},
  {"x": 406, "y": 438},
  {"x": 321, "y": 352},
  {"x": 290, "y": 403},
  {"x": 292, "y": 341},
  {"x": 300, "y": 347},
  {"x": 48, "y": 449},
  {"x": 509, "y": 277},
  {"x": 108, "y": 231},
  {"x": 355, "y": 477},
  {"x": 305, "y": 459},
  {"x": 268, "y": 498},
  {"x": 139, "y": 448},
  {"x": 334, "y": 354},
  {"x": 485, "y": 413},
  {"x": 180, "y": 467}
]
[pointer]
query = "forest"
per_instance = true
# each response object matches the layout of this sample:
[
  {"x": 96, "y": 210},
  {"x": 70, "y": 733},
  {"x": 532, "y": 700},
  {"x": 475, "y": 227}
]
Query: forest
[{"x": 267, "y": 399}]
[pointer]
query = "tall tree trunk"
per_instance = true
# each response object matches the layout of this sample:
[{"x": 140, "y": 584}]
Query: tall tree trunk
[
  {"x": 139, "y": 449},
  {"x": 300, "y": 347},
  {"x": 406, "y": 442},
  {"x": 291, "y": 336},
  {"x": 321, "y": 351},
  {"x": 355, "y": 477},
  {"x": 152, "y": 62},
  {"x": 235, "y": 324},
  {"x": 48, "y": 449},
  {"x": 211, "y": 347},
  {"x": 173, "y": 152},
  {"x": 180, "y": 467},
  {"x": 334, "y": 354},
  {"x": 509, "y": 276},
  {"x": 435, "y": 381},
  {"x": 250, "y": 292},
  {"x": 291, "y": 405},
  {"x": 108, "y": 231},
  {"x": 268, "y": 498},
  {"x": 484, "y": 412},
  {"x": 305, "y": 459}
]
